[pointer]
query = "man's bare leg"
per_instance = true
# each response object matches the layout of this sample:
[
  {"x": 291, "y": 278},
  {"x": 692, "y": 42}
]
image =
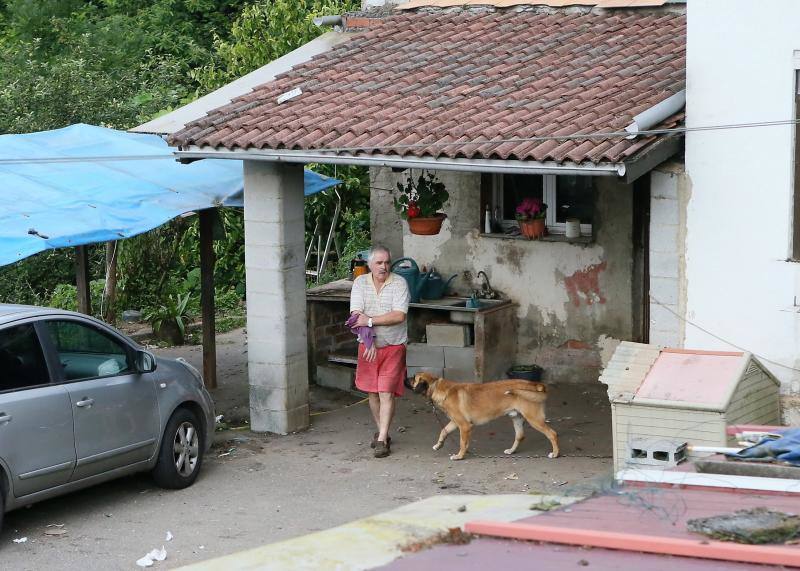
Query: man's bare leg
[
  {"x": 375, "y": 409},
  {"x": 386, "y": 415}
]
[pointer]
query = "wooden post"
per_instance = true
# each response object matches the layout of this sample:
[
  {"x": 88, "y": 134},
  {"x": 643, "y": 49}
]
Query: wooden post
[
  {"x": 111, "y": 282},
  {"x": 82, "y": 279},
  {"x": 207, "y": 262}
]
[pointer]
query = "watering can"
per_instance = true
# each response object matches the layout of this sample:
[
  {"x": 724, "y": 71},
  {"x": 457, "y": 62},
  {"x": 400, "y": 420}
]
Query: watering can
[
  {"x": 409, "y": 270},
  {"x": 435, "y": 285}
]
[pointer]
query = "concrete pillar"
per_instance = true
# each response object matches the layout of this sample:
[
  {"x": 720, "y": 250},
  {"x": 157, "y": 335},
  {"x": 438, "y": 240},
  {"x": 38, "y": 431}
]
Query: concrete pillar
[{"x": 276, "y": 297}]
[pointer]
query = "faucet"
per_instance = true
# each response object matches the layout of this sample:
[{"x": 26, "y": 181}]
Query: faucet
[{"x": 486, "y": 291}]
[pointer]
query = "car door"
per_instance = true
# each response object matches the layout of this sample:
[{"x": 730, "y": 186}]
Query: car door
[
  {"x": 36, "y": 434},
  {"x": 114, "y": 407}
]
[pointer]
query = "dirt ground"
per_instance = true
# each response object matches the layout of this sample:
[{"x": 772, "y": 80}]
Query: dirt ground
[{"x": 256, "y": 489}]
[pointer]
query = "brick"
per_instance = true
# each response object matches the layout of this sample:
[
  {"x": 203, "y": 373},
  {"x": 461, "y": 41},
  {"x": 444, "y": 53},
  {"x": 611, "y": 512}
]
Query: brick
[
  {"x": 423, "y": 355},
  {"x": 411, "y": 371},
  {"x": 447, "y": 334},
  {"x": 460, "y": 358},
  {"x": 336, "y": 377},
  {"x": 664, "y": 211}
]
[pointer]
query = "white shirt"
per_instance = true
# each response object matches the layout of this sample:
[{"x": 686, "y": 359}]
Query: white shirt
[{"x": 393, "y": 296}]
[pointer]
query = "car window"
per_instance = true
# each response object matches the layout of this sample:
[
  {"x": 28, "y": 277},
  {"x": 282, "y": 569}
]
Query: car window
[
  {"x": 86, "y": 352},
  {"x": 22, "y": 363}
]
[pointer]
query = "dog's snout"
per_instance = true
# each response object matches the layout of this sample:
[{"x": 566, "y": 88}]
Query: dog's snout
[{"x": 408, "y": 384}]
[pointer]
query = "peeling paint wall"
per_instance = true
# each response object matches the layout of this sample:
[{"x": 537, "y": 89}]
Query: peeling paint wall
[{"x": 574, "y": 299}]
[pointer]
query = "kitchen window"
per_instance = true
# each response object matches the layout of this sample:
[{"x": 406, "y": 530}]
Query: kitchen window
[{"x": 566, "y": 196}]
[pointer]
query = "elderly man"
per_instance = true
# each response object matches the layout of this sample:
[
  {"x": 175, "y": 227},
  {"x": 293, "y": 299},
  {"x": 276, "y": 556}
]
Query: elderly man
[{"x": 380, "y": 299}]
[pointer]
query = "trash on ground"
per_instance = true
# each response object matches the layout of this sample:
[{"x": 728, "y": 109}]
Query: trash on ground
[
  {"x": 453, "y": 536},
  {"x": 169, "y": 536},
  {"x": 20, "y": 540},
  {"x": 228, "y": 453},
  {"x": 753, "y": 526},
  {"x": 55, "y": 531},
  {"x": 461, "y": 509},
  {"x": 512, "y": 476},
  {"x": 401, "y": 429},
  {"x": 152, "y": 557},
  {"x": 545, "y": 505}
]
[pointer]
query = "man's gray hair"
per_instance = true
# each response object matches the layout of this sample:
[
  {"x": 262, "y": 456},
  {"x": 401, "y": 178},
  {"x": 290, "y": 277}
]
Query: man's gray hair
[{"x": 378, "y": 248}]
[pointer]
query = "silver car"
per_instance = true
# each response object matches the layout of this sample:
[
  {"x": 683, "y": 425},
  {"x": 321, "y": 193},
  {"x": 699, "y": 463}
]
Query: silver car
[{"x": 80, "y": 403}]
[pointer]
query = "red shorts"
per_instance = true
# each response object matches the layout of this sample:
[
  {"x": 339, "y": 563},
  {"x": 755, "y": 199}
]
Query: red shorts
[{"x": 386, "y": 374}]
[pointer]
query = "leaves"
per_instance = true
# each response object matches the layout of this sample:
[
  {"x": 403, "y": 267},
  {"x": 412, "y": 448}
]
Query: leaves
[{"x": 427, "y": 195}]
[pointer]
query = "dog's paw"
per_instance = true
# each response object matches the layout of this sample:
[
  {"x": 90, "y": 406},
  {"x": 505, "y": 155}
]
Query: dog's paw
[
  {"x": 509, "y": 451},
  {"x": 437, "y": 446},
  {"x": 552, "y": 455},
  {"x": 456, "y": 457}
]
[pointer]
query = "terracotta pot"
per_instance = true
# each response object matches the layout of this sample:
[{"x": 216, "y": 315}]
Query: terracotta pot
[
  {"x": 533, "y": 229},
  {"x": 426, "y": 226}
]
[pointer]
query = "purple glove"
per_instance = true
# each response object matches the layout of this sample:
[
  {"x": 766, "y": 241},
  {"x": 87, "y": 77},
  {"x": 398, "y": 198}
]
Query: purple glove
[{"x": 366, "y": 335}]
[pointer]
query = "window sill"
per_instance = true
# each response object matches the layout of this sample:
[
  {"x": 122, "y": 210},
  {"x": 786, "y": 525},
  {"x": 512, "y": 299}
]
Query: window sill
[{"x": 548, "y": 238}]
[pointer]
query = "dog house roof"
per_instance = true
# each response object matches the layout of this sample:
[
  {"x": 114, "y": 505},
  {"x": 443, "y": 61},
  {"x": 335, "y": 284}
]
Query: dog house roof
[{"x": 682, "y": 378}]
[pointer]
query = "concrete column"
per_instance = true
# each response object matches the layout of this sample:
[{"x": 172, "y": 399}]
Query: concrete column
[{"x": 276, "y": 297}]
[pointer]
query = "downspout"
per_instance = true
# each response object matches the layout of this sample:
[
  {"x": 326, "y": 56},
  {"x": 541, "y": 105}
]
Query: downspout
[{"x": 649, "y": 118}]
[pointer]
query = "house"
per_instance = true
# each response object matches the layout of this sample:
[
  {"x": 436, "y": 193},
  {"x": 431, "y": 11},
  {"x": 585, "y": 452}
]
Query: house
[{"x": 502, "y": 100}]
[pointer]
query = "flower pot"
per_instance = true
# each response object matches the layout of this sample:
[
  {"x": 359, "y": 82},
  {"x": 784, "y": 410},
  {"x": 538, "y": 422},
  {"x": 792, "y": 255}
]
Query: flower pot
[
  {"x": 426, "y": 226},
  {"x": 533, "y": 229}
]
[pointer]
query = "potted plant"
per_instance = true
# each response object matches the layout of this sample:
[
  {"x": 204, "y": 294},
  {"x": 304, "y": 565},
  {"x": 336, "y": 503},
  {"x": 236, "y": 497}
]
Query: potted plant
[
  {"x": 530, "y": 214},
  {"x": 169, "y": 319},
  {"x": 419, "y": 202}
]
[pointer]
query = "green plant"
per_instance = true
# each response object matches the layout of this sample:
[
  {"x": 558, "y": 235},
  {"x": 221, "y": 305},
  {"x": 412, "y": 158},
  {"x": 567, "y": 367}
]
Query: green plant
[
  {"x": 421, "y": 198},
  {"x": 174, "y": 309},
  {"x": 65, "y": 296}
]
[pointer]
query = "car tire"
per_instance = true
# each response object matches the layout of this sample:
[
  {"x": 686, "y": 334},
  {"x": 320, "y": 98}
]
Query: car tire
[
  {"x": 2, "y": 507},
  {"x": 181, "y": 453}
]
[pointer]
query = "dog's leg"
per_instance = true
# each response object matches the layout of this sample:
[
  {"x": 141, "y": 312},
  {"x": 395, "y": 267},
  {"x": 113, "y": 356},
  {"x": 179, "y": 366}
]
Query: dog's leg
[
  {"x": 464, "y": 431},
  {"x": 536, "y": 419},
  {"x": 451, "y": 426},
  {"x": 519, "y": 433}
]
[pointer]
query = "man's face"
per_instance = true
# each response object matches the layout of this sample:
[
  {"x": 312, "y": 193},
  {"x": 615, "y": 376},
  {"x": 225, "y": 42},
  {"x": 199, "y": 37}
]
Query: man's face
[{"x": 380, "y": 264}]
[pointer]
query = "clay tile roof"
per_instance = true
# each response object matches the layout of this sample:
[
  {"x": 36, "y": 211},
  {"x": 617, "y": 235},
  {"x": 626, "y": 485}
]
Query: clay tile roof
[{"x": 489, "y": 82}]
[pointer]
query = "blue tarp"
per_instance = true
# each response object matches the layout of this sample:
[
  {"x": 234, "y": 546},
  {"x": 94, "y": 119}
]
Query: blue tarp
[{"x": 113, "y": 190}]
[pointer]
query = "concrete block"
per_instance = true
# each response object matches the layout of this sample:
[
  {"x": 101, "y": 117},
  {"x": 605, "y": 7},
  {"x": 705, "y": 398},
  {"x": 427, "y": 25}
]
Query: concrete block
[
  {"x": 663, "y": 320},
  {"x": 336, "y": 377},
  {"x": 665, "y": 290},
  {"x": 447, "y": 334},
  {"x": 663, "y": 237},
  {"x": 460, "y": 358},
  {"x": 279, "y": 421},
  {"x": 411, "y": 371},
  {"x": 663, "y": 184},
  {"x": 424, "y": 355},
  {"x": 664, "y": 211},
  {"x": 664, "y": 264},
  {"x": 460, "y": 375},
  {"x": 665, "y": 338}
]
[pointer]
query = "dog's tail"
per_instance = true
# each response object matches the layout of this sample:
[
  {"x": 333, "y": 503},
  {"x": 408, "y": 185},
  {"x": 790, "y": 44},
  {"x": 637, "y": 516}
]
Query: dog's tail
[{"x": 529, "y": 390}]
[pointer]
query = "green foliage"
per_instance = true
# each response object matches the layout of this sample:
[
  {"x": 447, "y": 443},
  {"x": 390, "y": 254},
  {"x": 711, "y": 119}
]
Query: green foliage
[
  {"x": 427, "y": 195},
  {"x": 173, "y": 308},
  {"x": 65, "y": 296}
]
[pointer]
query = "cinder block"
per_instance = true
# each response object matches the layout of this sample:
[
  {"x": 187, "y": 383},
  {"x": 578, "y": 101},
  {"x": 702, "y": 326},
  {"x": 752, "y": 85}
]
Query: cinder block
[
  {"x": 336, "y": 377},
  {"x": 411, "y": 371},
  {"x": 459, "y": 358},
  {"x": 664, "y": 211},
  {"x": 423, "y": 355},
  {"x": 447, "y": 334},
  {"x": 665, "y": 290},
  {"x": 460, "y": 375},
  {"x": 664, "y": 265}
]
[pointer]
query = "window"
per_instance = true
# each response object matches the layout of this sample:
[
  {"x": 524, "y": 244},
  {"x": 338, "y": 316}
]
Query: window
[
  {"x": 87, "y": 353},
  {"x": 566, "y": 197},
  {"x": 21, "y": 360}
]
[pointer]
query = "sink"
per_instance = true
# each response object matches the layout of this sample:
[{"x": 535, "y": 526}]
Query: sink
[{"x": 446, "y": 301}]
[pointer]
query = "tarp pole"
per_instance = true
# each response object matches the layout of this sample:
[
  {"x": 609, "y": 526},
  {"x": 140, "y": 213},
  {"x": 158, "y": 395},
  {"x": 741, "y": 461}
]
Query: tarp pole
[
  {"x": 82, "y": 279},
  {"x": 207, "y": 262},
  {"x": 111, "y": 283}
]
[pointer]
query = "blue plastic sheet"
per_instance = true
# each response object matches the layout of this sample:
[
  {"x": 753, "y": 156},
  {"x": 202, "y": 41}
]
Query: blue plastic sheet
[
  {"x": 782, "y": 448},
  {"x": 122, "y": 185}
]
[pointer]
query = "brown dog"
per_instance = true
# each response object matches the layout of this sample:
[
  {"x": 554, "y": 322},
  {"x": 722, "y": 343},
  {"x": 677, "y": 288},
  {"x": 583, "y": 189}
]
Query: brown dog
[{"x": 469, "y": 405}]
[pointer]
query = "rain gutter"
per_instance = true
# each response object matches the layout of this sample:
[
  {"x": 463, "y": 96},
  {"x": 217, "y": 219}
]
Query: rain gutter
[{"x": 413, "y": 162}]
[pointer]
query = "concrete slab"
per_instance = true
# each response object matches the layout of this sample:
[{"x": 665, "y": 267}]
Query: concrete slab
[{"x": 378, "y": 540}]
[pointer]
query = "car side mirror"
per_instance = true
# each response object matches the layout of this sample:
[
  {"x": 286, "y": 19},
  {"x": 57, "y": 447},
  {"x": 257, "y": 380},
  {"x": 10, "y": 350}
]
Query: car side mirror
[{"x": 145, "y": 362}]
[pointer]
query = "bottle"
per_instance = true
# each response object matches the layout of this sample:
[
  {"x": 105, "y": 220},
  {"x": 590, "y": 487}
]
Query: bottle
[{"x": 487, "y": 221}]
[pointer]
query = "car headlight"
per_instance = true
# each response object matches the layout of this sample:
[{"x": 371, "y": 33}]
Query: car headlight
[{"x": 195, "y": 373}]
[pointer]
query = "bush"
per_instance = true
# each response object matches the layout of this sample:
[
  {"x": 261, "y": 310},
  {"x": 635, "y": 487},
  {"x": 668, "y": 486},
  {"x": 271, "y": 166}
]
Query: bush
[{"x": 65, "y": 296}]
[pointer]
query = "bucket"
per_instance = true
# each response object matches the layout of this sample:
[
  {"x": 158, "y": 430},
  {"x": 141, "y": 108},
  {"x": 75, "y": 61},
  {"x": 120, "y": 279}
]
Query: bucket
[{"x": 525, "y": 372}]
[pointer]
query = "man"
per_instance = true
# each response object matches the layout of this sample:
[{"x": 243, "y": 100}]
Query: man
[{"x": 380, "y": 299}]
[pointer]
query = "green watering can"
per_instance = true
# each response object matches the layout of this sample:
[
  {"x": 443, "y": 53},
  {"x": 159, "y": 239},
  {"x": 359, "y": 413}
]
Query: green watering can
[
  {"x": 435, "y": 285},
  {"x": 409, "y": 269}
]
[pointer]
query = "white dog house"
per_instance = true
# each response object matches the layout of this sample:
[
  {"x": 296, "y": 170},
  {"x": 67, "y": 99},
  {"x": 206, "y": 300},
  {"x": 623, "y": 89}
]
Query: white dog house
[{"x": 676, "y": 396}]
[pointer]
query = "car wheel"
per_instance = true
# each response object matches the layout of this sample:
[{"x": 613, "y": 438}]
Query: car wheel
[
  {"x": 2, "y": 507},
  {"x": 181, "y": 453}
]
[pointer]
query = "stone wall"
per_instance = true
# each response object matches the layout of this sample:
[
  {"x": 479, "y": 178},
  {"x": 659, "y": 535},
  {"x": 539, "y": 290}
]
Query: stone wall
[{"x": 327, "y": 333}]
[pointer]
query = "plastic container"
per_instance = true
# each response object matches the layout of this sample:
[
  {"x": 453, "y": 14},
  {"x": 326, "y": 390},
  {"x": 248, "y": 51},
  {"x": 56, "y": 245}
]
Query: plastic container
[{"x": 525, "y": 372}]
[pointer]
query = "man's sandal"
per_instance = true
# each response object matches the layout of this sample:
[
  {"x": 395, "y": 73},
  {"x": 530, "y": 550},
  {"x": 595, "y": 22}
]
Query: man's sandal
[
  {"x": 375, "y": 440},
  {"x": 382, "y": 449}
]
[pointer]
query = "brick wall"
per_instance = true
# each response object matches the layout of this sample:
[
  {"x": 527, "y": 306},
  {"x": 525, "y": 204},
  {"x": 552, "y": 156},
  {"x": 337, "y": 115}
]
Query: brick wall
[{"x": 327, "y": 333}]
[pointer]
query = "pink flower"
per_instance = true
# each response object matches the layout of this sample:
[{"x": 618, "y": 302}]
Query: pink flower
[{"x": 530, "y": 208}]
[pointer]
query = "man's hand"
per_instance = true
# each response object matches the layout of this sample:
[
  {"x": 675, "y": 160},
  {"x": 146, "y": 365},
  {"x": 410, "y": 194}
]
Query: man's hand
[
  {"x": 363, "y": 320},
  {"x": 370, "y": 354}
]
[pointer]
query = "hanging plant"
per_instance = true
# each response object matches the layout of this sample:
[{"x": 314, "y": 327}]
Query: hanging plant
[{"x": 419, "y": 201}]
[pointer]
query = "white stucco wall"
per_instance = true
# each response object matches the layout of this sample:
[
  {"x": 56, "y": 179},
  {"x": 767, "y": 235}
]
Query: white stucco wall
[{"x": 740, "y": 68}]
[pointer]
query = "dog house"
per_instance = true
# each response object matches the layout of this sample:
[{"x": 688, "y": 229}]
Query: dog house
[{"x": 680, "y": 396}]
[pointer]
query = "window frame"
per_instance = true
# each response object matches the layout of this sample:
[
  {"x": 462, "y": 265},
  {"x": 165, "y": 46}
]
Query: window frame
[
  {"x": 549, "y": 195},
  {"x": 57, "y": 376}
]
